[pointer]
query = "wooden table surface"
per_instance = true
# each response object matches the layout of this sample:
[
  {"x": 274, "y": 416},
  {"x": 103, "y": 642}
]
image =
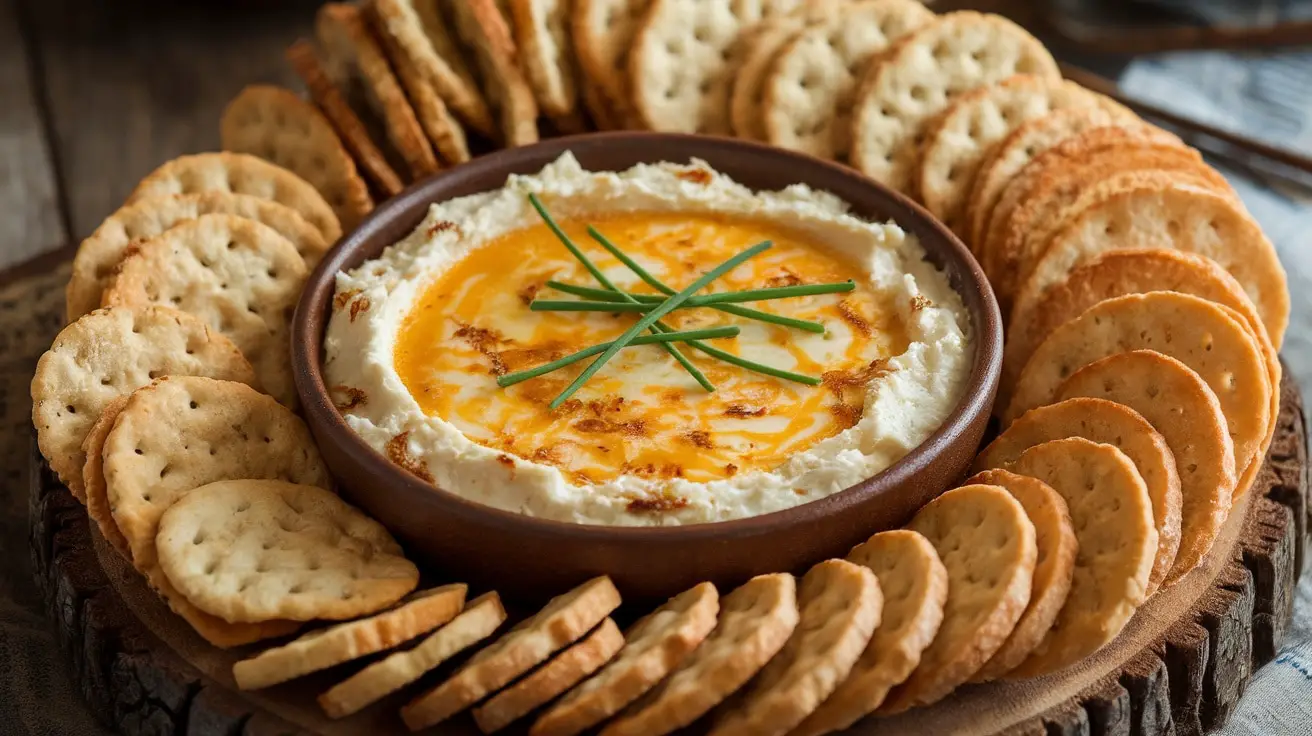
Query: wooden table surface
[{"x": 95, "y": 93}]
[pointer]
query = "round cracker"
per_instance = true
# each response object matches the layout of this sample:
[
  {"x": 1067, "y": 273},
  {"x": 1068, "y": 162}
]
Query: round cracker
[
  {"x": 654, "y": 647},
  {"x": 986, "y": 543},
  {"x": 1061, "y": 191},
  {"x": 560, "y": 623},
  {"x": 840, "y": 607},
  {"x": 546, "y": 53},
  {"x": 1113, "y": 521},
  {"x": 974, "y": 123},
  {"x": 1200, "y": 334},
  {"x": 418, "y": 614},
  {"x": 484, "y": 31},
  {"x": 93, "y": 477},
  {"x": 1054, "y": 539},
  {"x": 1181, "y": 407},
  {"x": 755, "y": 621},
  {"x": 1112, "y": 274},
  {"x": 1182, "y": 217},
  {"x": 603, "y": 31},
  {"x": 1121, "y": 136},
  {"x": 100, "y": 254},
  {"x": 277, "y": 125},
  {"x": 760, "y": 43},
  {"x": 563, "y": 672},
  {"x": 1013, "y": 153},
  {"x": 807, "y": 92},
  {"x": 255, "y": 550},
  {"x": 110, "y": 353},
  {"x": 240, "y": 173},
  {"x": 681, "y": 64},
  {"x": 921, "y": 74},
  {"x": 241, "y": 278},
  {"x": 475, "y": 623},
  {"x": 1111, "y": 423},
  {"x": 914, "y": 585}
]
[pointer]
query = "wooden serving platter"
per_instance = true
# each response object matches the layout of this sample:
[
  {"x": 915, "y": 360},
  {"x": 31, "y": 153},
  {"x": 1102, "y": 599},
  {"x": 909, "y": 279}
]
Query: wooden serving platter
[{"x": 1179, "y": 667}]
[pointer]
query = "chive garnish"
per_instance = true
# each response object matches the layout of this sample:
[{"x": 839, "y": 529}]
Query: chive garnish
[
  {"x": 669, "y": 305},
  {"x": 657, "y": 284},
  {"x": 724, "y": 297},
  {"x": 548, "y": 305},
  {"x": 606, "y": 282},
  {"x": 710, "y": 333}
]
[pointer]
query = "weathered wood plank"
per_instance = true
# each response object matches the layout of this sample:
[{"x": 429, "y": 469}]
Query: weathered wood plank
[
  {"x": 28, "y": 194},
  {"x": 132, "y": 83}
]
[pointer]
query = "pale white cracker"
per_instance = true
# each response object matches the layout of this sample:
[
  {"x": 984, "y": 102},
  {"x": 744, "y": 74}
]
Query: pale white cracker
[
  {"x": 986, "y": 543},
  {"x": 102, "y": 251},
  {"x": 759, "y": 44},
  {"x": 1112, "y": 423},
  {"x": 914, "y": 584},
  {"x": 755, "y": 621},
  {"x": 255, "y": 550},
  {"x": 840, "y": 606},
  {"x": 1179, "y": 405},
  {"x": 564, "y": 619},
  {"x": 546, "y": 54},
  {"x": 277, "y": 125},
  {"x": 415, "y": 616},
  {"x": 558, "y": 675},
  {"x": 655, "y": 646},
  {"x": 975, "y": 122},
  {"x": 602, "y": 32},
  {"x": 475, "y": 623},
  {"x": 110, "y": 353},
  {"x": 807, "y": 92},
  {"x": 241, "y": 278},
  {"x": 916, "y": 79},
  {"x": 240, "y": 173},
  {"x": 1054, "y": 537},
  {"x": 1113, "y": 521}
]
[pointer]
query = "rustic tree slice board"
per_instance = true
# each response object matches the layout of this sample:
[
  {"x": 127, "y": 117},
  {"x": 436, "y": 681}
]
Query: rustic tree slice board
[{"x": 1179, "y": 667}]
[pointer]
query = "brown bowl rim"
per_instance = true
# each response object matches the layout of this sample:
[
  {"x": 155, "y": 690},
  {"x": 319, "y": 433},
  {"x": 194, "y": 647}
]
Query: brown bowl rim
[{"x": 309, "y": 326}]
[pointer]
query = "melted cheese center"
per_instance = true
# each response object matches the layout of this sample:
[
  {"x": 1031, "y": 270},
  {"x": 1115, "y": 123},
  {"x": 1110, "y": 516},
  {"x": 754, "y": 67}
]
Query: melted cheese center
[{"x": 642, "y": 414}]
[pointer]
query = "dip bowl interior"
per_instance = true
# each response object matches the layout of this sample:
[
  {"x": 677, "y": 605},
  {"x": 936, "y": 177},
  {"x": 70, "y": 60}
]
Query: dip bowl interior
[{"x": 529, "y": 558}]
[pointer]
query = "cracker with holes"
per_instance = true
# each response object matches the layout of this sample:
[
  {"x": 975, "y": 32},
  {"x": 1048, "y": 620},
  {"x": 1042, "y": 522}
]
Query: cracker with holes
[
  {"x": 179, "y": 433},
  {"x": 986, "y": 543},
  {"x": 107, "y": 354},
  {"x": 1008, "y": 157},
  {"x": 352, "y": 50},
  {"x": 564, "y": 620},
  {"x": 1054, "y": 539},
  {"x": 603, "y": 32},
  {"x": 808, "y": 88},
  {"x": 959, "y": 139},
  {"x": 914, "y": 585},
  {"x": 475, "y": 623},
  {"x": 916, "y": 80},
  {"x": 1213, "y": 342},
  {"x": 547, "y": 54},
  {"x": 654, "y": 647},
  {"x": 435, "y": 117},
  {"x": 93, "y": 478},
  {"x": 418, "y": 30},
  {"x": 1180, "y": 406},
  {"x": 256, "y": 550},
  {"x": 756, "y": 619},
  {"x": 304, "y": 60},
  {"x": 1115, "y": 424},
  {"x": 759, "y": 45},
  {"x": 240, "y": 277},
  {"x": 100, "y": 254},
  {"x": 415, "y": 615},
  {"x": 1113, "y": 522},
  {"x": 1182, "y": 217},
  {"x": 240, "y": 173},
  {"x": 482, "y": 27},
  {"x": 563, "y": 672},
  {"x": 681, "y": 64},
  {"x": 276, "y": 125},
  {"x": 840, "y": 606},
  {"x": 1061, "y": 195}
]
